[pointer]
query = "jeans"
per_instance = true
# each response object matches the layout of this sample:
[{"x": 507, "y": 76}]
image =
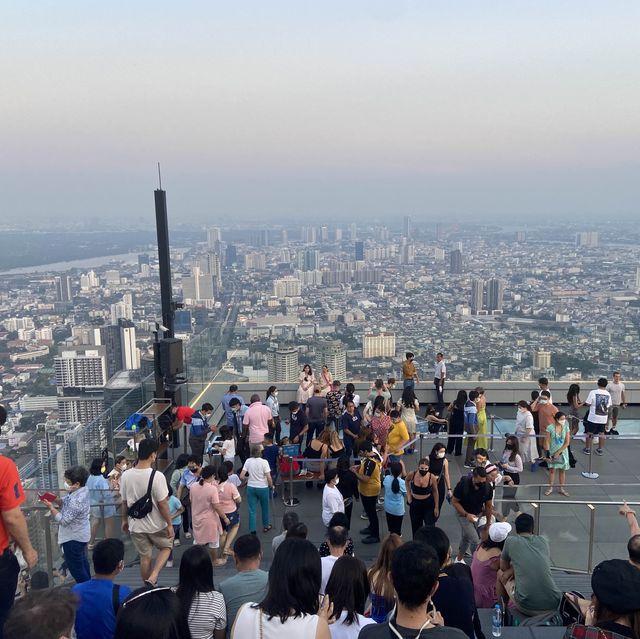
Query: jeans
[
  {"x": 315, "y": 428},
  {"x": 255, "y": 495},
  {"x": 469, "y": 539},
  {"x": 394, "y": 523},
  {"x": 9, "y": 571},
  {"x": 369, "y": 505},
  {"x": 75, "y": 554},
  {"x": 409, "y": 383}
]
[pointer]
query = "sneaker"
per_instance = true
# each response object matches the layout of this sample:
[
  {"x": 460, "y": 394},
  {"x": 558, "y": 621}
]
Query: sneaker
[
  {"x": 586, "y": 451},
  {"x": 613, "y": 431},
  {"x": 459, "y": 561},
  {"x": 365, "y": 531},
  {"x": 303, "y": 472},
  {"x": 187, "y": 535},
  {"x": 599, "y": 451},
  {"x": 363, "y": 516},
  {"x": 371, "y": 540},
  {"x": 169, "y": 564},
  {"x": 469, "y": 465},
  {"x": 381, "y": 500},
  {"x": 176, "y": 542}
]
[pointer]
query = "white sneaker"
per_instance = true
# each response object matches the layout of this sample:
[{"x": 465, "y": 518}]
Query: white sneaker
[
  {"x": 169, "y": 564},
  {"x": 176, "y": 542},
  {"x": 187, "y": 535},
  {"x": 459, "y": 561},
  {"x": 363, "y": 516},
  {"x": 303, "y": 472}
]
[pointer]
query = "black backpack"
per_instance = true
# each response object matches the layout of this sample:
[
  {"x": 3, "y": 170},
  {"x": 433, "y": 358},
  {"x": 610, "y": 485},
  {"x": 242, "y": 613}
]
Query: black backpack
[{"x": 143, "y": 506}]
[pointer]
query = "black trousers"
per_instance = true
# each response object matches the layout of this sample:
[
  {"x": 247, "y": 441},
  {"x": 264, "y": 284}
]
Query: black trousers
[
  {"x": 369, "y": 505},
  {"x": 456, "y": 427},
  {"x": 421, "y": 513},
  {"x": 394, "y": 523},
  {"x": 9, "y": 571}
]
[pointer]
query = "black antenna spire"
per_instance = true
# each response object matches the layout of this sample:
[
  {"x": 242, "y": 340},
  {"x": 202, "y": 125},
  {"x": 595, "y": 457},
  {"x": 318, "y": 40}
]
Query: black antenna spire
[{"x": 159, "y": 177}]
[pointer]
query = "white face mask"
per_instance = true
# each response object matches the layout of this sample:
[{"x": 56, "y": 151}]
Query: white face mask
[
  {"x": 337, "y": 480},
  {"x": 67, "y": 485},
  {"x": 275, "y": 393},
  {"x": 441, "y": 454},
  {"x": 123, "y": 467}
]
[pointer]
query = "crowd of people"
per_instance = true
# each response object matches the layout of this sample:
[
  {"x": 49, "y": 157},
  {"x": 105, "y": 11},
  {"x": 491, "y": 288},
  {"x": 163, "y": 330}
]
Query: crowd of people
[{"x": 357, "y": 455}]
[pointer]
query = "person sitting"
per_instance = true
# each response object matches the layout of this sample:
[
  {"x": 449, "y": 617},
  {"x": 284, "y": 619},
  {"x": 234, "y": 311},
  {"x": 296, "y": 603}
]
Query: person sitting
[
  {"x": 338, "y": 537},
  {"x": 614, "y": 609},
  {"x": 202, "y": 606},
  {"x": 525, "y": 571},
  {"x": 414, "y": 574},
  {"x": 486, "y": 563},
  {"x": 348, "y": 590},
  {"x": 289, "y": 519},
  {"x": 250, "y": 583},
  {"x": 100, "y": 598},
  {"x": 46, "y": 614}
]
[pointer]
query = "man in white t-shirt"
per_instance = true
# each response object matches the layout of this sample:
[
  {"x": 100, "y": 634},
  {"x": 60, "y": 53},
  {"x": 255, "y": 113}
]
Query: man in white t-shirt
[
  {"x": 598, "y": 402},
  {"x": 337, "y": 539},
  {"x": 156, "y": 529},
  {"x": 618, "y": 400}
]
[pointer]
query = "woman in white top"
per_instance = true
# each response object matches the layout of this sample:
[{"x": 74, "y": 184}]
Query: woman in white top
[
  {"x": 291, "y": 607},
  {"x": 350, "y": 395},
  {"x": 202, "y": 605},
  {"x": 274, "y": 404},
  {"x": 306, "y": 384},
  {"x": 525, "y": 432},
  {"x": 348, "y": 591},
  {"x": 332, "y": 500},
  {"x": 408, "y": 407},
  {"x": 326, "y": 379},
  {"x": 258, "y": 472}
]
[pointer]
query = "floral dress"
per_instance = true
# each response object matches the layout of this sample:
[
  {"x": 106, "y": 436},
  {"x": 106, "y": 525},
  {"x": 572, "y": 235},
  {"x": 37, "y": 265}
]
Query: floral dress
[{"x": 556, "y": 442}]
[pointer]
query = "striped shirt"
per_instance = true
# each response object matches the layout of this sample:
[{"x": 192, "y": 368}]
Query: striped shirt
[{"x": 207, "y": 614}]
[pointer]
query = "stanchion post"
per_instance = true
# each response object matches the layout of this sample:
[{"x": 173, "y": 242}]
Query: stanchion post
[
  {"x": 492, "y": 432},
  {"x": 590, "y": 474},
  {"x": 420, "y": 446},
  {"x": 292, "y": 501},
  {"x": 592, "y": 528}
]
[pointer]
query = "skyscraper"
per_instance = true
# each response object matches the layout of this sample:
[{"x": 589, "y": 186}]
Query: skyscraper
[
  {"x": 588, "y": 239},
  {"x": 495, "y": 294},
  {"x": 541, "y": 360},
  {"x": 324, "y": 233},
  {"x": 439, "y": 232},
  {"x": 477, "y": 295},
  {"x": 231, "y": 255},
  {"x": 63, "y": 288},
  {"x": 359, "y": 251},
  {"x": 80, "y": 367},
  {"x": 287, "y": 287},
  {"x": 214, "y": 237},
  {"x": 110, "y": 339},
  {"x": 353, "y": 231},
  {"x": 282, "y": 364},
  {"x": 143, "y": 259},
  {"x": 456, "y": 261},
  {"x": 378, "y": 345},
  {"x": 309, "y": 260},
  {"x": 333, "y": 355},
  {"x": 198, "y": 287},
  {"x": 406, "y": 226},
  {"x": 122, "y": 309}
]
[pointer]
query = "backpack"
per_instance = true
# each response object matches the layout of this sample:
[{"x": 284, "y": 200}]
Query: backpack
[
  {"x": 143, "y": 506},
  {"x": 135, "y": 422}
]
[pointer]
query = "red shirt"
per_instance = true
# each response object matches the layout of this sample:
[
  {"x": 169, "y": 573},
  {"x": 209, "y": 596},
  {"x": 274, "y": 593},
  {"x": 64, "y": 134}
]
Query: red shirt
[
  {"x": 184, "y": 414},
  {"x": 11, "y": 495}
]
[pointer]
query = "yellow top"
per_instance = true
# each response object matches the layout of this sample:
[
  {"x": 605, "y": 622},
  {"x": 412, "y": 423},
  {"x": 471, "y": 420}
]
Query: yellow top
[
  {"x": 396, "y": 436},
  {"x": 370, "y": 467}
]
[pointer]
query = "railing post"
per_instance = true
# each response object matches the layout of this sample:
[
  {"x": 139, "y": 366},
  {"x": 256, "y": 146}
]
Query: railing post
[
  {"x": 536, "y": 517},
  {"x": 292, "y": 501},
  {"x": 420, "y": 446},
  {"x": 492, "y": 417},
  {"x": 592, "y": 528},
  {"x": 48, "y": 547}
]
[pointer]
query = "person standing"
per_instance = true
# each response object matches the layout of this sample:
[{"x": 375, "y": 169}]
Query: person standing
[
  {"x": 397, "y": 438},
  {"x": 481, "y": 404},
  {"x": 199, "y": 429},
  {"x": 472, "y": 496},
  {"x": 154, "y": 530},
  {"x": 258, "y": 473},
  {"x": 238, "y": 411},
  {"x": 348, "y": 486},
  {"x": 526, "y": 433},
  {"x": 334, "y": 405},
  {"x": 326, "y": 380},
  {"x": 380, "y": 421},
  {"x": 395, "y": 491},
  {"x": 332, "y": 499},
  {"x": 298, "y": 425},
  {"x": 616, "y": 389},
  {"x": 274, "y": 406},
  {"x": 350, "y": 424},
  {"x": 232, "y": 393},
  {"x": 439, "y": 468},
  {"x": 409, "y": 372},
  {"x": 456, "y": 423},
  {"x": 257, "y": 421},
  {"x": 470, "y": 426},
  {"x": 368, "y": 473},
  {"x": 72, "y": 518},
  {"x": 409, "y": 407},
  {"x": 598, "y": 401},
  {"x": 439, "y": 377},
  {"x": 13, "y": 526},
  {"x": 545, "y": 410},
  {"x": 557, "y": 442},
  {"x": 306, "y": 384},
  {"x": 317, "y": 412},
  {"x": 422, "y": 496},
  {"x": 229, "y": 501}
]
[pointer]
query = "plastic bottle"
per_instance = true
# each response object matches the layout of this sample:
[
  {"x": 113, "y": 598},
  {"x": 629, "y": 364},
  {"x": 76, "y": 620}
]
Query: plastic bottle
[{"x": 496, "y": 621}]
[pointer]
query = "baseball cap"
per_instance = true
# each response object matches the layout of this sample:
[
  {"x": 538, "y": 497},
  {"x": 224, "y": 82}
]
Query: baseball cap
[
  {"x": 616, "y": 584},
  {"x": 499, "y": 531}
]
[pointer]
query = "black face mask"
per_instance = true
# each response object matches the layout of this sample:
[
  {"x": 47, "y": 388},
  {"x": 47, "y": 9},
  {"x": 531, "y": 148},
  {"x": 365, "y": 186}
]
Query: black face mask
[
  {"x": 423, "y": 472},
  {"x": 509, "y": 447}
]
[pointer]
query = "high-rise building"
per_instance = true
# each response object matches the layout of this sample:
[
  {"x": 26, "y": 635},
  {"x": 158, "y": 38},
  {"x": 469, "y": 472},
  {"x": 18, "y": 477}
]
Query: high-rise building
[
  {"x": 63, "y": 288},
  {"x": 80, "y": 367},
  {"x": 88, "y": 281},
  {"x": 143, "y": 260},
  {"x": 284, "y": 236},
  {"x": 407, "y": 253},
  {"x": 521, "y": 236},
  {"x": 439, "y": 254},
  {"x": 406, "y": 226},
  {"x": 378, "y": 345},
  {"x": 112, "y": 276},
  {"x": 282, "y": 364},
  {"x": 324, "y": 233},
  {"x": 198, "y": 287},
  {"x": 587, "y": 239},
  {"x": 359, "y": 251},
  {"x": 541, "y": 360},
  {"x": 183, "y": 321},
  {"x": 231, "y": 255},
  {"x": 214, "y": 237},
  {"x": 495, "y": 294},
  {"x": 287, "y": 287},
  {"x": 309, "y": 234},
  {"x": 477, "y": 295},
  {"x": 80, "y": 408},
  {"x": 130, "y": 352},
  {"x": 455, "y": 263},
  {"x": 353, "y": 232},
  {"x": 110, "y": 339},
  {"x": 332, "y": 354},
  {"x": 309, "y": 260},
  {"x": 439, "y": 232},
  {"x": 638, "y": 279},
  {"x": 210, "y": 265},
  {"x": 122, "y": 309},
  {"x": 255, "y": 262},
  {"x": 338, "y": 235}
]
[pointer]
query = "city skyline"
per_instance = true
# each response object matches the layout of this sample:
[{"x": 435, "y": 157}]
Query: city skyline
[{"x": 369, "y": 109}]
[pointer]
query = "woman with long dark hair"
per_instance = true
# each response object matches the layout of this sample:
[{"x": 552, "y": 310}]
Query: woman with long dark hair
[
  {"x": 291, "y": 607},
  {"x": 229, "y": 501},
  {"x": 382, "y": 593},
  {"x": 350, "y": 395},
  {"x": 486, "y": 562},
  {"x": 525, "y": 431},
  {"x": 272, "y": 402},
  {"x": 439, "y": 468},
  {"x": 422, "y": 496},
  {"x": 511, "y": 465},
  {"x": 558, "y": 437},
  {"x": 380, "y": 420},
  {"x": 456, "y": 423},
  {"x": 202, "y": 606},
  {"x": 409, "y": 407},
  {"x": 306, "y": 384},
  {"x": 395, "y": 492}
]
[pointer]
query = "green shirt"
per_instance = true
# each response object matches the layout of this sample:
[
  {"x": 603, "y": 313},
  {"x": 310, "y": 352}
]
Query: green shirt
[{"x": 531, "y": 561}]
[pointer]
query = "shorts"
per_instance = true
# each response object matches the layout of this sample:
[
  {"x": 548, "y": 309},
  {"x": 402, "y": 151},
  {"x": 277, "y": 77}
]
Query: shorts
[
  {"x": 144, "y": 543},
  {"x": 613, "y": 411},
  {"x": 234, "y": 520},
  {"x": 510, "y": 588},
  {"x": 593, "y": 429},
  {"x": 212, "y": 544}
]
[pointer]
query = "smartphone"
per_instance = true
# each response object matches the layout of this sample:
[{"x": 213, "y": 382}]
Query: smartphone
[{"x": 50, "y": 497}]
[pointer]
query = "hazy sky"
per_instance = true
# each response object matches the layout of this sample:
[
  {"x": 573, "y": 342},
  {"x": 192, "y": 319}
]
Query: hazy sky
[{"x": 320, "y": 109}]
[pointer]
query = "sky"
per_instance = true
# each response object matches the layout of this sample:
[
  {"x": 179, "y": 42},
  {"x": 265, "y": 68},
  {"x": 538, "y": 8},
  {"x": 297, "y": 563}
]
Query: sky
[{"x": 319, "y": 111}]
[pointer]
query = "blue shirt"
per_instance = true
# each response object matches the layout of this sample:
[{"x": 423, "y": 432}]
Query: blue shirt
[
  {"x": 270, "y": 453},
  {"x": 394, "y": 502},
  {"x": 470, "y": 413},
  {"x": 199, "y": 424},
  {"x": 226, "y": 398},
  {"x": 174, "y": 506},
  {"x": 95, "y": 618}
]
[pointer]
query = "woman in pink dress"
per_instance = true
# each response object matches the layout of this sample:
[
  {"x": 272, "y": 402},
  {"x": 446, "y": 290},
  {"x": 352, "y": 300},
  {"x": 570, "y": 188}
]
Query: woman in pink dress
[
  {"x": 206, "y": 511},
  {"x": 485, "y": 564}
]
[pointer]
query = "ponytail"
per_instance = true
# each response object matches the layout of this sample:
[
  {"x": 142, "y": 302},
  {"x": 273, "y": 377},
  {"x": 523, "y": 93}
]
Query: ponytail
[
  {"x": 396, "y": 470},
  {"x": 206, "y": 473},
  {"x": 395, "y": 486}
]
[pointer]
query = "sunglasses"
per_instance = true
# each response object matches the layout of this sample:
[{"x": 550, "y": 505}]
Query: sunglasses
[{"x": 145, "y": 593}]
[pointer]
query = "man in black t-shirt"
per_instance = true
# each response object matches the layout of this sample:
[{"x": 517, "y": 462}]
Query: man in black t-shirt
[
  {"x": 471, "y": 497},
  {"x": 298, "y": 424}
]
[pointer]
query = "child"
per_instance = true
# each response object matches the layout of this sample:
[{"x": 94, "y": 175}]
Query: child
[
  {"x": 233, "y": 477},
  {"x": 227, "y": 447},
  {"x": 175, "y": 511},
  {"x": 271, "y": 452}
]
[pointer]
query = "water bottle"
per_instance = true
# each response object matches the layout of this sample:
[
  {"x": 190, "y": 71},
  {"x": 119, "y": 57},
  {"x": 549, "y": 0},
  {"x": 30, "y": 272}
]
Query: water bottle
[{"x": 496, "y": 621}]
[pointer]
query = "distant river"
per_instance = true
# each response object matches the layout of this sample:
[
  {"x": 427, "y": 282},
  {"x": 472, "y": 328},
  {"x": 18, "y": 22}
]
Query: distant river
[{"x": 89, "y": 262}]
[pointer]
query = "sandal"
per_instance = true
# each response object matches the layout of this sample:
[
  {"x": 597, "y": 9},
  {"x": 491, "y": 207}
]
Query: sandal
[
  {"x": 267, "y": 529},
  {"x": 227, "y": 552},
  {"x": 562, "y": 491},
  {"x": 221, "y": 561},
  {"x": 151, "y": 584},
  {"x": 548, "y": 491}
]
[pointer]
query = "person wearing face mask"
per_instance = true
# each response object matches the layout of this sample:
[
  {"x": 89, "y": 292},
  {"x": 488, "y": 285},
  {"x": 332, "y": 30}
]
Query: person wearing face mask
[
  {"x": 114, "y": 476},
  {"x": 439, "y": 468},
  {"x": 557, "y": 445},
  {"x": 394, "y": 495},
  {"x": 422, "y": 496},
  {"x": 332, "y": 499},
  {"x": 100, "y": 598},
  {"x": 200, "y": 428},
  {"x": 72, "y": 514},
  {"x": 545, "y": 409},
  {"x": 237, "y": 412},
  {"x": 525, "y": 431},
  {"x": 271, "y": 401}
]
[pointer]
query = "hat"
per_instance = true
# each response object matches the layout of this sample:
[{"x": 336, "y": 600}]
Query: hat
[
  {"x": 489, "y": 468},
  {"x": 500, "y": 531},
  {"x": 483, "y": 521},
  {"x": 616, "y": 584}
]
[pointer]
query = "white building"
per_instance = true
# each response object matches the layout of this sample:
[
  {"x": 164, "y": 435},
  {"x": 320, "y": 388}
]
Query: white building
[
  {"x": 81, "y": 367},
  {"x": 282, "y": 365},
  {"x": 378, "y": 345}
]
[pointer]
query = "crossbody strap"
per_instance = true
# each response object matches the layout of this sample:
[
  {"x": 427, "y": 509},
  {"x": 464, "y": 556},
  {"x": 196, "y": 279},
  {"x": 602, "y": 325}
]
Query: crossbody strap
[
  {"x": 150, "y": 486},
  {"x": 115, "y": 598}
]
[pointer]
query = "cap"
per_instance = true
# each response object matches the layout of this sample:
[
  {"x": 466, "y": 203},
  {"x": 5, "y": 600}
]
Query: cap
[
  {"x": 500, "y": 531},
  {"x": 616, "y": 584}
]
